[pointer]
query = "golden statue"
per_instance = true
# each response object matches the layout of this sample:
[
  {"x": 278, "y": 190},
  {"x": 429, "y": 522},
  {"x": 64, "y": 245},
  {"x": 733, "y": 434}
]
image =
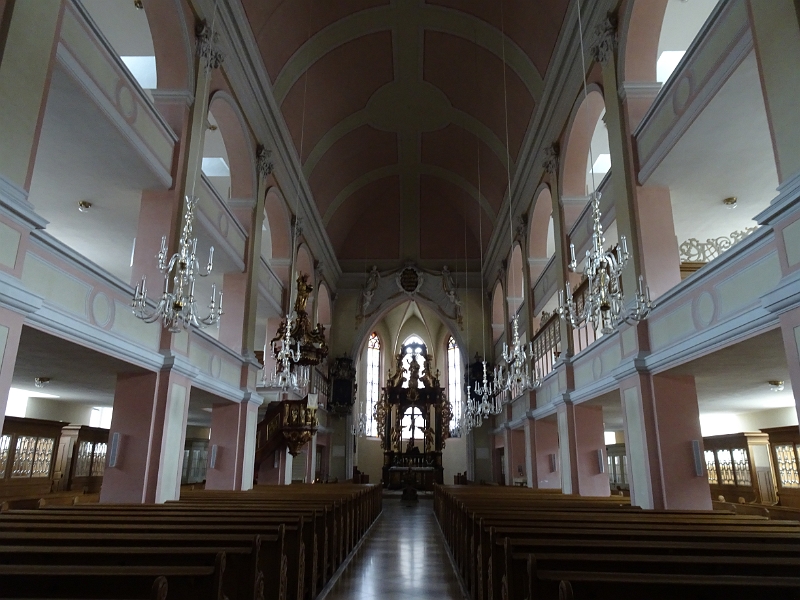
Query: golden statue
[{"x": 304, "y": 289}]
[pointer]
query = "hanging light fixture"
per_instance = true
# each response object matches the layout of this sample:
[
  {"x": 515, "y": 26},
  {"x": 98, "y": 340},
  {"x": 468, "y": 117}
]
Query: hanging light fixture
[
  {"x": 177, "y": 308},
  {"x": 297, "y": 346},
  {"x": 604, "y": 304},
  {"x": 515, "y": 374},
  {"x": 481, "y": 402}
]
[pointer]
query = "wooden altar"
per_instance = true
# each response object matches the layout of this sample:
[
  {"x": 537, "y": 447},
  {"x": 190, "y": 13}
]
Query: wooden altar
[{"x": 413, "y": 420}]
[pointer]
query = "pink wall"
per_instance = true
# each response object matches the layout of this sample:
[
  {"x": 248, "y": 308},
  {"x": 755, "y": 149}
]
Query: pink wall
[
  {"x": 546, "y": 431},
  {"x": 228, "y": 425},
  {"x": 589, "y": 435},
  {"x": 135, "y": 409},
  {"x": 678, "y": 423}
]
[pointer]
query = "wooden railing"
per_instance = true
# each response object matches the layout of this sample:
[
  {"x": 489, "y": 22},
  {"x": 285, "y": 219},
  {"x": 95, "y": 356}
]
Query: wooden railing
[
  {"x": 585, "y": 336},
  {"x": 547, "y": 344}
]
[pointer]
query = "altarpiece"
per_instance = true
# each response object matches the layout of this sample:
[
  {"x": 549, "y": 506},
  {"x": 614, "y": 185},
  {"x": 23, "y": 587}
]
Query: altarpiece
[{"x": 413, "y": 421}]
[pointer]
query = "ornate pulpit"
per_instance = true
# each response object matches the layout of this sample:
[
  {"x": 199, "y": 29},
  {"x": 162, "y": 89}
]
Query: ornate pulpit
[{"x": 413, "y": 420}]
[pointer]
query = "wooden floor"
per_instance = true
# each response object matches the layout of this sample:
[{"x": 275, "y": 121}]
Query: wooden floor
[{"x": 403, "y": 556}]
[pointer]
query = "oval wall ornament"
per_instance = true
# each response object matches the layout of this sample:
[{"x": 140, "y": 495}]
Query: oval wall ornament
[{"x": 409, "y": 280}]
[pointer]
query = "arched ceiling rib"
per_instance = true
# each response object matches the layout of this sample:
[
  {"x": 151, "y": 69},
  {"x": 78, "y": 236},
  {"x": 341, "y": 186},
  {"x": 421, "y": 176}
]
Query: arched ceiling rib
[{"x": 390, "y": 104}]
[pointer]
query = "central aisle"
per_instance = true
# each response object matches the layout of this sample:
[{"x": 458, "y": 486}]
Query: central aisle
[{"x": 403, "y": 557}]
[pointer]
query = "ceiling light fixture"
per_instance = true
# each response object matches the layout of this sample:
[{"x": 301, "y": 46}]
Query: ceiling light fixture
[
  {"x": 138, "y": 4},
  {"x": 84, "y": 205},
  {"x": 730, "y": 202},
  {"x": 776, "y": 385},
  {"x": 41, "y": 382}
]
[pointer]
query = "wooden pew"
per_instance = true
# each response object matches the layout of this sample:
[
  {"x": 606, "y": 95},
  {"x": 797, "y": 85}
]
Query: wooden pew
[
  {"x": 527, "y": 544},
  {"x": 273, "y": 543}
]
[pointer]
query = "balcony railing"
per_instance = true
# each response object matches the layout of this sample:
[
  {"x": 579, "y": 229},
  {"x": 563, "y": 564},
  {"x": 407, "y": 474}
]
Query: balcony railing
[{"x": 583, "y": 337}]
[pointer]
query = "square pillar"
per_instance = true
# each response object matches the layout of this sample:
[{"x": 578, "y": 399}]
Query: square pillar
[
  {"x": 516, "y": 455},
  {"x": 661, "y": 420},
  {"x": 531, "y": 464},
  {"x": 790, "y": 329},
  {"x": 233, "y": 431},
  {"x": 10, "y": 331},
  {"x": 582, "y": 443},
  {"x": 548, "y": 465},
  {"x": 150, "y": 412}
]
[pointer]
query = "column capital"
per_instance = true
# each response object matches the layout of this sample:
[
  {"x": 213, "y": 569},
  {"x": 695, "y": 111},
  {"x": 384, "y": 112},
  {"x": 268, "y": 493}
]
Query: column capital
[
  {"x": 605, "y": 40},
  {"x": 551, "y": 157},
  {"x": 208, "y": 46},
  {"x": 264, "y": 162}
]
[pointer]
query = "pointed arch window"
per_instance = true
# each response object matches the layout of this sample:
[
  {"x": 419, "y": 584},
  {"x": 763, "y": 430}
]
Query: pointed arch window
[
  {"x": 373, "y": 381},
  {"x": 454, "y": 382},
  {"x": 415, "y": 348}
]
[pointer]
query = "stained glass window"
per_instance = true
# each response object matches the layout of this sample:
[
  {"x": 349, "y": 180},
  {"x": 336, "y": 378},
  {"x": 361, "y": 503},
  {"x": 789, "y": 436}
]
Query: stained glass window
[
  {"x": 787, "y": 465},
  {"x": 373, "y": 381},
  {"x": 454, "y": 381}
]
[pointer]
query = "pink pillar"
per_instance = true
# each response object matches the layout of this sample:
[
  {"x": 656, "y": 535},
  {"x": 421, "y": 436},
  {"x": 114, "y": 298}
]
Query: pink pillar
[
  {"x": 662, "y": 420},
  {"x": 660, "y": 258},
  {"x": 516, "y": 458},
  {"x": 790, "y": 328},
  {"x": 10, "y": 331},
  {"x": 158, "y": 216},
  {"x": 231, "y": 332},
  {"x": 531, "y": 463},
  {"x": 548, "y": 467},
  {"x": 581, "y": 429},
  {"x": 149, "y": 422},
  {"x": 232, "y": 426}
]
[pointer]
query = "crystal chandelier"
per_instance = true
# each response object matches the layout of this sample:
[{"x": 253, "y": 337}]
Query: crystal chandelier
[
  {"x": 515, "y": 375},
  {"x": 286, "y": 351},
  {"x": 177, "y": 308},
  {"x": 485, "y": 402},
  {"x": 604, "y": 305},
  {"x": 297, "y": 346}
]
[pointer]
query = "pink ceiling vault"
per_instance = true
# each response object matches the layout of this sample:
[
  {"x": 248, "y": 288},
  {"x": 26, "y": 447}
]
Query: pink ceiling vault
[{"x": 393, "y": 104}]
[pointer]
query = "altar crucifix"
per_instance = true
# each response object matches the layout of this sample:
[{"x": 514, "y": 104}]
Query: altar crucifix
[{"x": 413, "y": 420}]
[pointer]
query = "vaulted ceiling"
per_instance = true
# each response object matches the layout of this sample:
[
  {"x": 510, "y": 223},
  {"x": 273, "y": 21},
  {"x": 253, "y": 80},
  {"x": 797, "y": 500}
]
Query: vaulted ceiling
[{"x": 393, "y": 105}]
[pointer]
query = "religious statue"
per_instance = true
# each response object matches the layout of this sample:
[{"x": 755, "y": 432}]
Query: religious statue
[
  {"x": 369, "y": 288},
  {"x": 397, "y": 438},
  {"x": 304, "y": 289},
  {"x": 397, "y": 379},
  {"x": 449, "y": 288},
  {"x": 430, "y": 438}
]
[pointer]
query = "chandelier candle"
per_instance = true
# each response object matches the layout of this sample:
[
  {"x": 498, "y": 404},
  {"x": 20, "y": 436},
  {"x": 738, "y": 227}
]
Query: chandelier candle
[{"x": 177, "y": 308}]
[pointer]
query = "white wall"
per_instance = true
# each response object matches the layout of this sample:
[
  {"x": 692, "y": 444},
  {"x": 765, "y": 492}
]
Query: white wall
[
  {"x": 454, "y": 458},
  {"x": 724, "y": 423},
  {"x": 58, "y": 410}
]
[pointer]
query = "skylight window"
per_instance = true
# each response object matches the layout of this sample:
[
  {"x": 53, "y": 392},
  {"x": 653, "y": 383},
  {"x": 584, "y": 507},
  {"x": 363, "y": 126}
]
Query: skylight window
[
  {"x": 602, "y": 164},
  {"x": 667, "y": 63},
  {"x": 215, "y": 167},
  {"x": 143, "y": 69}
]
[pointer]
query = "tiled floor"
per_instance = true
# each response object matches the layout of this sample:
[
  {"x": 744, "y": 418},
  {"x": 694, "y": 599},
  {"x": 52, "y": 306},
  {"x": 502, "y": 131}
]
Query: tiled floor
[{"x": 403, "y": 557}]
